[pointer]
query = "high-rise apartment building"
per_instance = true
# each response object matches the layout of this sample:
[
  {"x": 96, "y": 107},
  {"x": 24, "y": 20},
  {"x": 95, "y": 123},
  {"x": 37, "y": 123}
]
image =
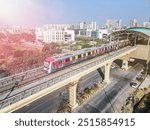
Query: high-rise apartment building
[
  {"x": 113, "y": 24},
  {"x": 133, "y": 23},
  {"x": 92, "y": 25}
]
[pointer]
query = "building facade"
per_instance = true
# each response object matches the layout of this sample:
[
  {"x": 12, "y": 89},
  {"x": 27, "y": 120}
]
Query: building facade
[
  {"x": 87, "y": 30},
  {"x": 102, "y": 33},
  {"x": 55, "y": 33},
  {"x": 146, "y": 24},
  {"x": 133, "y": 23},
  {"x": 113, "y": 24},
  {"x": 91, "y": 26}
]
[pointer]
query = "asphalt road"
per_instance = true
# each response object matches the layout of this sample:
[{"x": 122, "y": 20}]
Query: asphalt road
[
  {"x": 112, "y": 97},
  {"x": 51, "y": 102}
]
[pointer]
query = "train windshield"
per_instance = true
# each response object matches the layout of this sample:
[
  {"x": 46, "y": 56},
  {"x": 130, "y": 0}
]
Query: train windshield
[{"x": 46, "y": 64}]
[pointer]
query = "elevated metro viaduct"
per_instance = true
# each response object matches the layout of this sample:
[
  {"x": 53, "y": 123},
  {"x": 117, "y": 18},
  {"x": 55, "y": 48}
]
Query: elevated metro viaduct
[{"x": 139, "y": 37}]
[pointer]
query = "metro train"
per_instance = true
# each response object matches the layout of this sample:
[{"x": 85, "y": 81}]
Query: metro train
[{"x": 52, "y": 64}]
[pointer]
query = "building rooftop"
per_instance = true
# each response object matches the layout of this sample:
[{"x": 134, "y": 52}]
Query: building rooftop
[{"x": 141, "y": 29}]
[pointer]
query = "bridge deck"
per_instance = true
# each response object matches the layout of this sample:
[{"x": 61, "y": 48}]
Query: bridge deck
[{"x": 32, "y": 92}]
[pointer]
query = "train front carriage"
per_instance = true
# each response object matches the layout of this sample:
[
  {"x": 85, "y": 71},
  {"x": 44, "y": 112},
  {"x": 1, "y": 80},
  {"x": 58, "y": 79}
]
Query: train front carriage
[{"x": 48, "y": 64}]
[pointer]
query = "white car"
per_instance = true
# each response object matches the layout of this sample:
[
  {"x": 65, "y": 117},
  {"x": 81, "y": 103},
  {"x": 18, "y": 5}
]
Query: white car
[{"x": 133, "y": 84}]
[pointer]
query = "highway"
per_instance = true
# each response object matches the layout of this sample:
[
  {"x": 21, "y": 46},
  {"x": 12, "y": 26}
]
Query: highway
[
  {"x": 113, "y": 96},
  {"x": 99, "y": 103}
]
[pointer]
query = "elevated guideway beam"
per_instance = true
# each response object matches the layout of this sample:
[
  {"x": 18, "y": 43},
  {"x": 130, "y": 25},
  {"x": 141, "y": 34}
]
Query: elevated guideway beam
[{"x": 41, "y": 88}]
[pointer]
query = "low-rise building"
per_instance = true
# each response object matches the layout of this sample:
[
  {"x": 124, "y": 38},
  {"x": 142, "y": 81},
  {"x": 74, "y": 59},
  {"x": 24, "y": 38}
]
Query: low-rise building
[
  {"x": 55, "y": 33},
  {"x": 146, "y": 24},
  {"x": 102, "y": 33}
]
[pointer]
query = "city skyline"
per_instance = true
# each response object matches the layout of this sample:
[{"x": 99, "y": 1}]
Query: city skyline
[{"x": 35, "y": 13}]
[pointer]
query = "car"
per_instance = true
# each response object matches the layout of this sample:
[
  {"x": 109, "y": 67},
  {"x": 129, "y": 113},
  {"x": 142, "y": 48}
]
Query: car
[
  {"x": 143, "y": 72},
  {"x": 113, "y": 66},
  {"x": 133, "y": 84},
  {"x": 139, "y": 78}
]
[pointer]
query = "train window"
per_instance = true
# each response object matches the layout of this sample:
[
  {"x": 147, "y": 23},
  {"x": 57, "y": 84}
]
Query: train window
[
  {"x": 79, "y": 56},
  {"x": 67, "y": 60},
  {"x": 70, "y": 58},
  {"x": 89, "y": 53},
  {"x": 82, "y": 55},
  {"x": 76, "y": 57},
  {"x": 86, "y": 54}
]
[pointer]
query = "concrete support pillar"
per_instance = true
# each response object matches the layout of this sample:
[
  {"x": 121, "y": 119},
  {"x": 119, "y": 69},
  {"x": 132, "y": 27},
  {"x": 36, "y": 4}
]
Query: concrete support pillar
[
  {"x": 110, "y": 38},
  {"x": 127, "y": 36},
  {"x": 73, "y": 95},
  {"x": 107, "y": 73},
  {"x": 125, "y": 64}
]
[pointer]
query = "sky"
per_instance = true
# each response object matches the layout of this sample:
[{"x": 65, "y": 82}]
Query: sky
[{"x": 38, "y": 12}]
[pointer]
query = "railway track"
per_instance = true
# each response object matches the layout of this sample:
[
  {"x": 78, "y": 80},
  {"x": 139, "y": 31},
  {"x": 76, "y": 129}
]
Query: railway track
[
  {"x": 14, "y": 82},
  {"x": 15, "y": 96},
  {"x": 22, "y": 75},
  {"x": 17, "y": 83},
  {"x": 25, "y": 78}
]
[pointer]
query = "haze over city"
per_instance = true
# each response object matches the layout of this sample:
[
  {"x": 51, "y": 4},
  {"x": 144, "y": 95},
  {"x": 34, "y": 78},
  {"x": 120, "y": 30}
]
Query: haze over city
[{"x": 38, "y": 12}]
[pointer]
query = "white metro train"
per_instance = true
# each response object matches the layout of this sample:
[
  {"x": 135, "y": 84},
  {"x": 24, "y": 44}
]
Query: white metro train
[{"x": 52, "y": 64}]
